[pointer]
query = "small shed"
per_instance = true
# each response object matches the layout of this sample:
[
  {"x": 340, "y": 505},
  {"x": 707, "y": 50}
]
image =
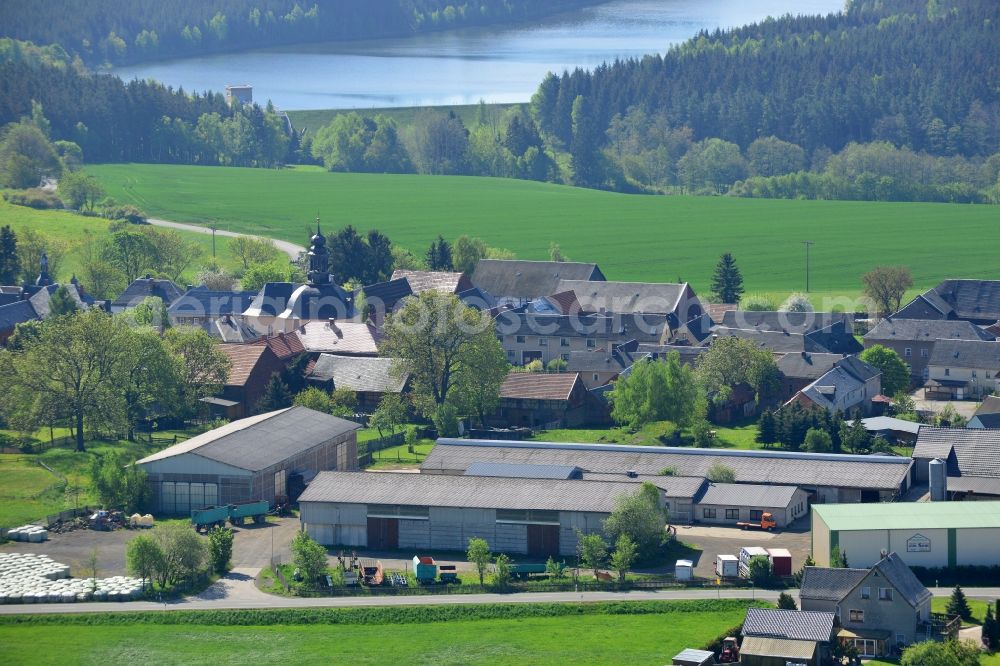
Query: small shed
[{"x": 692, "y": 657}]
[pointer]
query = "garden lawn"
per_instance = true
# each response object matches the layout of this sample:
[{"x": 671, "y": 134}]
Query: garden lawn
[
  {"x": 27, "y": 491},
  {"x": 631, "y": 237},
  {"x": 579, "y": 639},
  {"x": 978, "y": 606},
  {"x": 654, "y": 434}
]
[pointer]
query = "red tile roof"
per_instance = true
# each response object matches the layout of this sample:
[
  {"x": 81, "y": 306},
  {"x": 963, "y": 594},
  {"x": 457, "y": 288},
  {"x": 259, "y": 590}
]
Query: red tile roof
[
  {"x": 283, "y": 345},
  {"x": 539, "y": 385},
  {"x": 244, "y": 359}
]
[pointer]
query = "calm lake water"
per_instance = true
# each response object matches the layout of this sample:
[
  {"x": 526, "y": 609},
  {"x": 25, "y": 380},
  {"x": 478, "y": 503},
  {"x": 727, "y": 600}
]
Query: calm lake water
[{"x": 464, "y": 66}]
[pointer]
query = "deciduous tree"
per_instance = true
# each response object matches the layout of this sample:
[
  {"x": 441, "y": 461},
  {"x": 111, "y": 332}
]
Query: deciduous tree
[
  {"x": 886, "y": 285},
  {"x": 657, "y": 391},
  {"x": 731, "y": 361},
  {"x": 624, "y": 557},
  {"x": 479, "y": 554},
  {"x": 591, "y": 550},
  {"x": 895, "y": 372},
  {"x": 308, "y": 557},
  {"x": 640, "y": 517}
]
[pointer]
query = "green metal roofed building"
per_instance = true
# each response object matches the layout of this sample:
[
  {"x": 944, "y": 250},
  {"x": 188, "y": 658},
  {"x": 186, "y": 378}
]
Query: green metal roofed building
[{"x": 924, "y": 534}]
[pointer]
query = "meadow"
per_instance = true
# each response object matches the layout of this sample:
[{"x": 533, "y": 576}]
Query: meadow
[
  {"x": 517, "y": 636},
  {"x": 72, "y": 232},
  {"x": 631, "y": 237}
]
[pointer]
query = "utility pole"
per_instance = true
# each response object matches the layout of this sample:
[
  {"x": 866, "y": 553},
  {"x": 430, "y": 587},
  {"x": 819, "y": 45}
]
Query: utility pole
[
  {"x": 213, "y": 244},
  {"x": 807, "y": 244}
]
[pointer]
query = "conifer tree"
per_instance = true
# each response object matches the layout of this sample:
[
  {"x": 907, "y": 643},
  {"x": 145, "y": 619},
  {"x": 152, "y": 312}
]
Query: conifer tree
[
  {"x": 958, "y": 604},
  {"x": 727, "y": 282}
]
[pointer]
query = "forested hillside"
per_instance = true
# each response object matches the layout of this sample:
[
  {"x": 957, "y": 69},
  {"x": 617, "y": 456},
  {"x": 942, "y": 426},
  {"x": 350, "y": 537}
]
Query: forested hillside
[
  {"x": 138, "y": 121},
  {"x": 121, "y": 31},
  {"x": 918, "y": 75}
]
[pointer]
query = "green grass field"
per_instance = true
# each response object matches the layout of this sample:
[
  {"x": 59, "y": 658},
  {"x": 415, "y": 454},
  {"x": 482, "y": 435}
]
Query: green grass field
[
  {"x": 313, "y": 120},
  {"x": 631, "y": 237},
  {"x": 738, "y": 436},
  {"x": 71, "y": 231},
  {"x": 590, "y": 638}
]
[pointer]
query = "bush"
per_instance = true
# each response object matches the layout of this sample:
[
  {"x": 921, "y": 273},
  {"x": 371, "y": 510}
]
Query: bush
[
  {"x": 220, "y": 548},
  {"x": 34, "y": 198},
  {"x": 757, "y": 303},
  {"x": 124, "y": 212},
  {"x": 719, "y": 473},
  {"x": 760, "y": 569},
  {"x": 308, "y": 557}
]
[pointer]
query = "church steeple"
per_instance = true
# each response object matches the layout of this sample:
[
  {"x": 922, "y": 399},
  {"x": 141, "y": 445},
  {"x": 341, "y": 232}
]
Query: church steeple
[
  {"x": 319, "y": 258},
  {"x": 44, "y": 280}
]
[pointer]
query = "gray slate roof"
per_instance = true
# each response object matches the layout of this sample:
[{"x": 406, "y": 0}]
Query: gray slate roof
[
  {"x": 970, "y": 452},
  {"x": 792, "y": 322},
  {"x": 523, "y": 471},
  {"x": 358, "y": 373},
  {"x": 962, "y": 299},
  {"x": 975, "y": 354},
  {"x": 202, "y": 302},
  {"x": 903, "y": 579},
  {"x": 628, "y": 297},
  {"x": 643, "y": 328},
  {"x": 839, "y": 381},
  {"x": 758, "y": 467},
  {"x": 747, "y": 494},
  {"x": 991, "y": 421},
  {"x": 829, "y": 584},
  {"x": 474, "y": 492},
  {"x": 529, "y": 279},
  {"x": 791, "y": 624},
  {"x": 258, "y": 442},
  {"x": 990, "y": 405},
  {"x": 924, "y": 330},
  {"x": 165, "y": 290},
  {"x": 16, "y": 313},
  {"x": 804, "y": 365}
]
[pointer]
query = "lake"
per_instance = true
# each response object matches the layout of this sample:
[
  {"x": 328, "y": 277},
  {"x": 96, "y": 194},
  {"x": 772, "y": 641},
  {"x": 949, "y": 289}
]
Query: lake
[{"x": 500, "y": 65}]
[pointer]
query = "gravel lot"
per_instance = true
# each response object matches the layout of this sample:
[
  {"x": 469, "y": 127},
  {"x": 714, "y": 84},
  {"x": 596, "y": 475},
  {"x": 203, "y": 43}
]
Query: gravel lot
[{"x": 728, "y": 540}]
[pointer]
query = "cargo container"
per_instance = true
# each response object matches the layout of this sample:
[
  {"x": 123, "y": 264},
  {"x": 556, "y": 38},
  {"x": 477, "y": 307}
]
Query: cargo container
[
  {"x": 425, "y": 569},
  {"x": 727, "y": 566},
  {"x": 781, "y": 561},
  {"x": 747, "y": 553}
]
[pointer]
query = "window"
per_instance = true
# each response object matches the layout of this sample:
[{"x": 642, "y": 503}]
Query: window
[
  {"x": 398, "y": 511},
  {"x": 947, "y": 371},
  {"x": 907, "y": 352},
  {"x": 708, "y": 513},
  {"x": 866, "y": 592},
  {"x": 591, "y": 343},
  {"x": 564, "y": 342},
  {"x": 900, "y": 639},
  {"x": 973, "y": 374},
  {"x": 596, "y": 377},
  {"x": 528, "y": 516},
  {"x": 885, "y": 594},
  {"x": 543, "y": 342},
  {"x": 923, "y": 353},
  {"x": 520, "y": 339},
  {"x": 756, "y": 514},
  {"x": 857, "y": 616},
  {"x": 732, "y": 514}
]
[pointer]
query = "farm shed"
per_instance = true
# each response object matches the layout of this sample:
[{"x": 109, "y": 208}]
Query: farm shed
[
  {"x": 925, "y": 534},
  {"x": 535, "y": 517},
  {"x": 729, "y": 503},
  {"x": 825, "y": 477},
  {"x": 258, "y": 458}
]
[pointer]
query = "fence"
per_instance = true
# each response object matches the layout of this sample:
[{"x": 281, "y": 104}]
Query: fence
[
  {"x": 276, "y": 568},
  {"x": 374, "y": 445}
]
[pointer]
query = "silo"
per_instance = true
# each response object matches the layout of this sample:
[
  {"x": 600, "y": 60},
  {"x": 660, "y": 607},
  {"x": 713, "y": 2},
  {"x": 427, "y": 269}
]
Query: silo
[{"x": 937, "y": 472}]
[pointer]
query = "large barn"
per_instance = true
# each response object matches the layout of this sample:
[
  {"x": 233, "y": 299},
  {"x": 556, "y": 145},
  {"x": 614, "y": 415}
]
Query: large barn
[
  {"x": 825, "y": 478},
  {"x": 262, "y": 457}
]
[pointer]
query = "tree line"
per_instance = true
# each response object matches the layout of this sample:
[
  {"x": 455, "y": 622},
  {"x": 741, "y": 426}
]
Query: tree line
[
  {"x": 142, "y": 121},
  {"x": 123, "y": 31},
  {"x": 817, "y": 84}
]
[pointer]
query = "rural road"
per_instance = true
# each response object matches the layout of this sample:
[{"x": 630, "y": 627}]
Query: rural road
[
  {"x": 237, "y": 592},
  {"x": 291, "y": 249}
]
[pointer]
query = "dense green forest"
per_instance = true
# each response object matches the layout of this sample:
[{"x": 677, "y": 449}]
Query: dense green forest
[
  {"x": 918, "y": 75},
  {"x": 123, "y": 31},
  {"x": 138, "y": 121}
]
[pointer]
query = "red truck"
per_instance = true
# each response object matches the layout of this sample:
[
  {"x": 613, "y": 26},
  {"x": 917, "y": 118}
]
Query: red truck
[{"x": 766, "y": 523}]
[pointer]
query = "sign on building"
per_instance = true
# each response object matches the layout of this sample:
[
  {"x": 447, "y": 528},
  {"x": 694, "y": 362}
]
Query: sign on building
[{"x": 918, "y": 543}]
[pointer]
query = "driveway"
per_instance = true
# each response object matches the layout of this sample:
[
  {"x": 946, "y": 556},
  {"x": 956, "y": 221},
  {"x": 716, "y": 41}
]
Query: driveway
[
  {"x": 712, "y": 541},
  {"x": 291, "y": 249},
  {"x": 965, "y": 408}
]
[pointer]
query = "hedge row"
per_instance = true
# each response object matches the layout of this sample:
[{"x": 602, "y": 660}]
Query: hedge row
[{"x": 382, "y": 615}]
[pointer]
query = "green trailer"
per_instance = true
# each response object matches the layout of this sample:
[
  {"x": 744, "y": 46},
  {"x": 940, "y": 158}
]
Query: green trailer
[
  {"x": 425, "y": 569},
  {"x": 255, "y": 510},
  {"x": 205, "y": 519}
]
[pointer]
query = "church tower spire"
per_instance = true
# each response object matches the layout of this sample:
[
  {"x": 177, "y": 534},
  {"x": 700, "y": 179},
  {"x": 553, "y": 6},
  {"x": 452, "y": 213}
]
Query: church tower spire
[{"x": 319, "y": 258}]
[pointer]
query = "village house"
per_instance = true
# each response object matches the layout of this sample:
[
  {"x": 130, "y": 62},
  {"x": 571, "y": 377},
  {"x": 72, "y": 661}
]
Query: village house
[
  {"x": 446, "y": 282},
  {"x": 800, "y": 369},
  {"x": 344, "y": 338},
  {"x": 975, "y": 301},
  {"x": 251, "y": 369},
  {"x": 371, "y": 379},
  {"x": 143, "y": 288},
  {"x": 203, "y": 307},
  {"x": 677, "y": 302},
  {"x": 879, "y": 610},
  {"x": 963, "y": 369},
  {"x": 531, "y": 399},
  {"x": 987, "y": 414},
  {"x": 517, "y": 282},
  {"x": 847, "y": 388},
  {"x": 913, "y": 339}
]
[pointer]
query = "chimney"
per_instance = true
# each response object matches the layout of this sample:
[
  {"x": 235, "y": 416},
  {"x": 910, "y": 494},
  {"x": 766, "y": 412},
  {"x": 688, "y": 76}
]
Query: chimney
[{"x": 190, "y": 287}]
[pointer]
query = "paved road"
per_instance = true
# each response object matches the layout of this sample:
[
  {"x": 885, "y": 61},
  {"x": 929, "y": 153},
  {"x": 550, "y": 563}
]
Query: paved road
[
  {"x": 237, "y": 591},
  {"x": 291, "y": 249}
]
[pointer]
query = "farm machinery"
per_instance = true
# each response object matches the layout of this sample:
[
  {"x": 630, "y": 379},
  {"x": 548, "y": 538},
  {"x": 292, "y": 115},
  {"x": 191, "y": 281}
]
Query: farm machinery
[{"x": 236, "y": 514}]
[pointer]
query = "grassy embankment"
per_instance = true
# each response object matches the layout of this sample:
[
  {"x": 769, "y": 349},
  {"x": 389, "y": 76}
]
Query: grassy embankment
[
  {"x": 633, "y": 633},
  {"x": 642, "y": 238},
  {"x": 72, "y": 232}
]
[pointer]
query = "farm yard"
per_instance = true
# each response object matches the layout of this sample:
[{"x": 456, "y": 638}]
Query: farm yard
[
  {"x": 634, "y": 633},
  {"x": 631, "y": 237}
]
